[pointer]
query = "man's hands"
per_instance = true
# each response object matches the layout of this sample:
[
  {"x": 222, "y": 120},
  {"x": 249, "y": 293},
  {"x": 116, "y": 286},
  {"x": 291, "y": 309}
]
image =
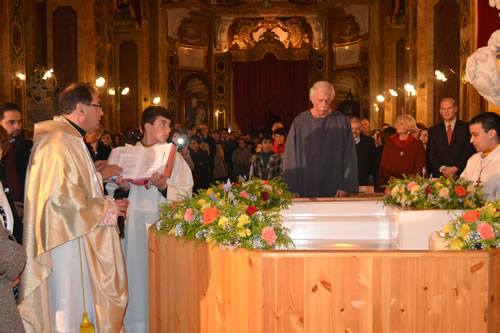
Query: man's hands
[
  {"x": 158, "y": 181},
  {"x": 341, "y": 194},
  {"x": 107, "y": 170},
  {"x": 121, "y": 207},
  {"x": 449, "y": 171}
]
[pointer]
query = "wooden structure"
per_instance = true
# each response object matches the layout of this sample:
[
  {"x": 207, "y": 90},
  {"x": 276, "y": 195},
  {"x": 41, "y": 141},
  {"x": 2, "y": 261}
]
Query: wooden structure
[{"x": 206, "y": 289}]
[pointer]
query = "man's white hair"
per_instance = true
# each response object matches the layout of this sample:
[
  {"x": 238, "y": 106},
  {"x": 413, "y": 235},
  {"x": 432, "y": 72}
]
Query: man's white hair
[{"x": 321, "y": 85}]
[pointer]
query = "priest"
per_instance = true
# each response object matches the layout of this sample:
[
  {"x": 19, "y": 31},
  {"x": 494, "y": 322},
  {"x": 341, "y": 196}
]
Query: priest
[{"x": 74, "y": 258}]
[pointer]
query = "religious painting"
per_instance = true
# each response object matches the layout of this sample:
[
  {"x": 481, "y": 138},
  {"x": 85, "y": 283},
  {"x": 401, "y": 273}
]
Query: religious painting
[
  {"x": 192, "y": 58},
  {"x": 196, "y": 99},
  {"x": 346, "y": 55}
]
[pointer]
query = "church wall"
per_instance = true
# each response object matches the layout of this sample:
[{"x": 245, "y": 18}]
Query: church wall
[
  {"x": 13, "y": 52},
  {"x": 100, "y": 33}
]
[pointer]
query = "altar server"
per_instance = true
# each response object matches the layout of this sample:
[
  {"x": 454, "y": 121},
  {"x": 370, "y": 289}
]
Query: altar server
[
  {"x": 484, "y": 166},
  {"x": 74, "y": 257},
  {"x": 143, "y": 212}
]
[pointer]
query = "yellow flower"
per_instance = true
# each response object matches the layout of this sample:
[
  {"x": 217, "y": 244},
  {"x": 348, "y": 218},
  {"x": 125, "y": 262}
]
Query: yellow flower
[
  {"x": 217, "y": 195},
  {"x": 205, "y": 206},
  {"x": 243, "y": 220},
  {"x": 404, "y": 198},
  {"x": 179, "y": 215},
  {"x": 444, "y": 192},
  {"x": 395, "y": 191},
  {"x": 210, "y": 191},
  {"x": 456, "y": 244},
  {"x": 223, "y": 221},
  {"x": 464, "y": 231},
  {"x": 244, "y": 233},
  {"x": 468, "y": 203},
  {"x": 171, "y": 232},
  {"x": 438, "y": 185},
  {"x": 446, "y": 229},
  {"x": 201, "y": 202},
  {"x": 448, "y": 181},
  {"x": 402, "y": 190}
]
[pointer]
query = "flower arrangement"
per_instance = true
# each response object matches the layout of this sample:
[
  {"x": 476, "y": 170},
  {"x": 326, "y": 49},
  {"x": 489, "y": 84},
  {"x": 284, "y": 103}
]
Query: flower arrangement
[
  {"x": 232, "y": 215},
  {"x": 476, "y": 229},
  {"x": 441, "y": 193}
]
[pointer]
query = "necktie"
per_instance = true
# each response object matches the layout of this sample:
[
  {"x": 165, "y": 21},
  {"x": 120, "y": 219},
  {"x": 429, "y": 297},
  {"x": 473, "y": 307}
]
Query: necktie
[{"x": 448, "y": 134}]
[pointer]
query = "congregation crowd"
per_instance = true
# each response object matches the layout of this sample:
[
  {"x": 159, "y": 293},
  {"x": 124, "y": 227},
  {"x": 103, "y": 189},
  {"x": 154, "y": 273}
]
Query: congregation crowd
[{"x": 69, "y": 186}]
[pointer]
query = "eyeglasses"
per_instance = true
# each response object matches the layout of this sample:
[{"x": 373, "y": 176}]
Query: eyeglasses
[{"x": 99, "y": 106}]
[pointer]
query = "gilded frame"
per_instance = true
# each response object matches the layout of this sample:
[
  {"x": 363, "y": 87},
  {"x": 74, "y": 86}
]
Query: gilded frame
[
  {"x": 192, "y": 58},
  {"x": 346, "y": 55}
]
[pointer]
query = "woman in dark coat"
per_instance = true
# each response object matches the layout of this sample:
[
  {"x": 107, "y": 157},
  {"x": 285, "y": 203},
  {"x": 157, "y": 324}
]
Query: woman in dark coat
[{"x": 403, "y": 153}]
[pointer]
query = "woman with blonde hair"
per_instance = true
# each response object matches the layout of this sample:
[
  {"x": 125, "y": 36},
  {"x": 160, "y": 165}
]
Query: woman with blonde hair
[{"x": 403, "y": 153}]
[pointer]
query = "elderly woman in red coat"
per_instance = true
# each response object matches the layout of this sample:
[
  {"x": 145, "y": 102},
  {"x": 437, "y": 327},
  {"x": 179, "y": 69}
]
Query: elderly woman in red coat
[{"x": 403, "y": 154}]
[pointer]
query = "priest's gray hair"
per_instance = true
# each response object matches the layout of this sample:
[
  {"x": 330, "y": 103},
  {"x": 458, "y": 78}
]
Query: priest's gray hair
[{"x": 321, "y": 85}]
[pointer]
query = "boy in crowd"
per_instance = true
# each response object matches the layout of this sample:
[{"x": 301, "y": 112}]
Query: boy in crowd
[{"x": 267, "y": 164}]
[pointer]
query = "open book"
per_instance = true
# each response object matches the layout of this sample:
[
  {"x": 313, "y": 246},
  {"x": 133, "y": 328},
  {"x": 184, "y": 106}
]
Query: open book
[{"x": 139, "y": 163}]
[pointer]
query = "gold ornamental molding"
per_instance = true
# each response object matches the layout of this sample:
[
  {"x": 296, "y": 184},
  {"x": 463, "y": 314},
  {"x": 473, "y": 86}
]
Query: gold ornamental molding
[{"x": 287, "y": 40}]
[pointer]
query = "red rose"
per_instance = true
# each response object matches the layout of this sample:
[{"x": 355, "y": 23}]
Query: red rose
[
  {"x": 427, "y": 190},
  {"x": 210, "y": 214},
  {"x": 251, "y": 210},
  {"x": 264, "y": 196},
  {"x": 237, "y": 183},
  {"x": 460, "y": 191},
  {"x": 471, "y": 216},
  {"x": 387, "y": 191}
]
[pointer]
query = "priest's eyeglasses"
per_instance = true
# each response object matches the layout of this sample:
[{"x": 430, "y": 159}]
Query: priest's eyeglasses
[{"x": 99, "y": 106}]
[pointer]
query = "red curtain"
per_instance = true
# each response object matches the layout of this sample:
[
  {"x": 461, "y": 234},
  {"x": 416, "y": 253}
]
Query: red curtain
[
  {"x": 269, "y": 86},
  {"x": 488, "y": 22}
]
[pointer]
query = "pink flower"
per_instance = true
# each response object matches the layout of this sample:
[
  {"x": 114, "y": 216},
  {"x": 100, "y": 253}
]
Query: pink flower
[
  {"x": 460, "y": 191},
  {"x": 244, "y": 194},
  {"x": 188, "y": 215},
  {"x": 387, "y": 191},
  {"x": 486, "y": 231},
  {"x": 471, "y": 216},
  {"x": 268, "y": 187},
  {"x": 410, "y": 185},
  {"x": 269, "y": 235}
]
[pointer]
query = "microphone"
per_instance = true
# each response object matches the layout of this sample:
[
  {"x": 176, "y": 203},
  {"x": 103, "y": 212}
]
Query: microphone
[{"x": 117, "y": 195}]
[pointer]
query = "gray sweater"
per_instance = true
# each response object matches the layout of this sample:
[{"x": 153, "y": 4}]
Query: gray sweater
[{"x": 12, "y": 261}]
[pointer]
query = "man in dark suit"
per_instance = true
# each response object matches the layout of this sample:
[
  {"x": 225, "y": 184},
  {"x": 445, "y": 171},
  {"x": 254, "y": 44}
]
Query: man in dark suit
[
  {"x": 13, "y": 170},
  {"x": 449, "y": 147},
  {"x": 365, "y": 149}
]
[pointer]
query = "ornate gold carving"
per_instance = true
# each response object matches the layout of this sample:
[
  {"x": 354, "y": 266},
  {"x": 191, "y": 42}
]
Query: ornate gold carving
[
  {"x": 270, "y": 44},
  {"x": 287, "y": 40},
  {"x": 290, "y": 32}
]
